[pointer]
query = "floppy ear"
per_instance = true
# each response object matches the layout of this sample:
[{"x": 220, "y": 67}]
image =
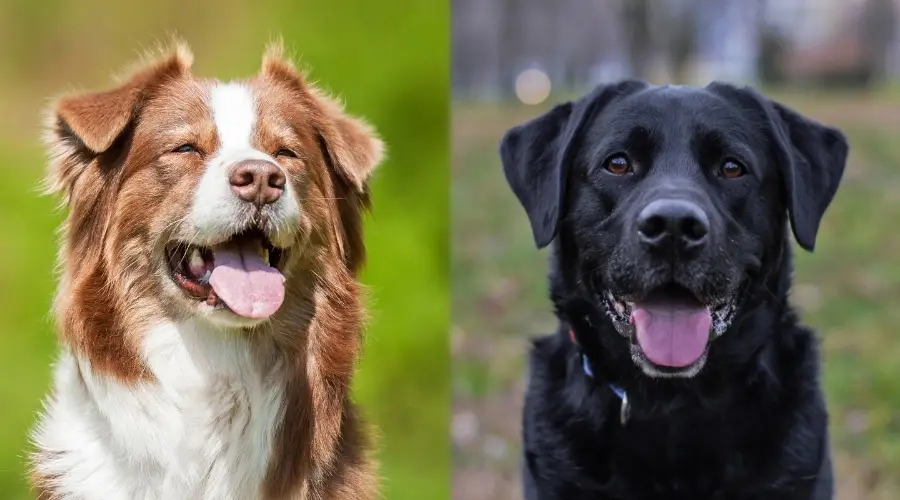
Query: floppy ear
[
  {"x": 97, "y": 119},
  {"x": 536, "y": 156},
  {"x": 813, "y": 159},
  {"x": 353, "y": 147},
  {"x": 82, "y": 126}
]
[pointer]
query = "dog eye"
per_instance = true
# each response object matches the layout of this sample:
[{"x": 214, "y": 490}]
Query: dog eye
[
  {"x": 285, "y": 152},
  {"x": 618, "y": 165},
  {"x": 185, "y": 148},
  {"x": 731, "y": 170}
]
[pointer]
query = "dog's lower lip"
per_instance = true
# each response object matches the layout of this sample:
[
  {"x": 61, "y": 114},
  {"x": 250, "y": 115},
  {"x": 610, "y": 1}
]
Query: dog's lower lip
[
  {"x": 194, "y": 288},
  {"x": 672, "y": 370}
]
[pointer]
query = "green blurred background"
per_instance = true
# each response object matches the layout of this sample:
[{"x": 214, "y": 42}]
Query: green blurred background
[{"x": 388, "y": 60}]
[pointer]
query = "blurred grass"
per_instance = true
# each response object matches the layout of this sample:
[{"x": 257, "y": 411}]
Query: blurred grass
[
  {"x": 847, "y": 290},
  {"x": 388, "y": 60}
]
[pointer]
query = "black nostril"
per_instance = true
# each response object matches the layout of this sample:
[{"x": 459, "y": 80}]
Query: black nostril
[
  {"x": 693, "y": 229},
  {"x": 652, "y": 227},
  {"x": 668, "y": 222}
]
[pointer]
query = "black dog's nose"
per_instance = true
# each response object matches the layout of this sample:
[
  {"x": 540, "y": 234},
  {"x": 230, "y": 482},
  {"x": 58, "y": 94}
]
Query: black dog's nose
[{"x": 672, "y": 224}]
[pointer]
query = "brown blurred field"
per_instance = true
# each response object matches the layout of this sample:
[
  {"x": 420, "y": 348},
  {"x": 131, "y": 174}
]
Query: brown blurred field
[{"x": 848, "y": 289}]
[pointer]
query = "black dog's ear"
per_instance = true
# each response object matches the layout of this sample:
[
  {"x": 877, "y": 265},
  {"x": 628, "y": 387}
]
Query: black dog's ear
[
  {"x": 811, "y": 157},
  {"x": 536, "y": 156},
  {"x": 814, "y": 157}
]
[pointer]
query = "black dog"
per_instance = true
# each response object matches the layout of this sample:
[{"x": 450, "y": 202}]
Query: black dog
[{"x": 679, "y": 371}]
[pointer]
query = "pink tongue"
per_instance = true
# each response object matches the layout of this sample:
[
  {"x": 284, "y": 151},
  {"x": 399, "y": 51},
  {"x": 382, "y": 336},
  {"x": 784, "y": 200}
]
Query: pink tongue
[
  {"x": 245, "y": 283},
  {"x": 671, "y": 335}
]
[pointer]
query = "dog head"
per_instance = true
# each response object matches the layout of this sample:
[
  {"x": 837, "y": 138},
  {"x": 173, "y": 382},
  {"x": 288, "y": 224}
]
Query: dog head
[
  {"x": 195, "y": 197},
  {"x": 670, "y": 200}
]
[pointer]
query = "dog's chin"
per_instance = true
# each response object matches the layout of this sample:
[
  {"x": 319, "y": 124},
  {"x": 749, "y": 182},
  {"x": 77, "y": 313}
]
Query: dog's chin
[
  {"x": 651, "y": 369},
  {"x": 223, "y": 317},
  {"x": 668, "y": 328}
]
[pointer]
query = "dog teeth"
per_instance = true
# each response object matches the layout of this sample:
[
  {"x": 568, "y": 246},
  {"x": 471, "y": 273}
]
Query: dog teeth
[
  {"x": 196, "y": 265},
  {"x": 264, "y": 254},
  {"x": 196, "y": 260}
]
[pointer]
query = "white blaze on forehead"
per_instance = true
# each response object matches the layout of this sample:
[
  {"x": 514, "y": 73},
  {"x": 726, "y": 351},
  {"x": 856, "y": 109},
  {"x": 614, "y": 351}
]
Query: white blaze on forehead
[
  {"x": 217, "y": 213},
  {"x": 234, "y": 113}
]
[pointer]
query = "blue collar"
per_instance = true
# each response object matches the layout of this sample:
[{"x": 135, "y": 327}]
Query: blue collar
[
  {"x": 625, "y": 408},
  {"x": 613, "y": 387}
]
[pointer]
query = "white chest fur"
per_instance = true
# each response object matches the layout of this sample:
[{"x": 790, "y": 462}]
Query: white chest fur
[{"x": 203, "y": 429}]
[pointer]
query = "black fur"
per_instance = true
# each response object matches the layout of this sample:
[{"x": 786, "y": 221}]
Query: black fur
[{"x": 752, "y": 423}]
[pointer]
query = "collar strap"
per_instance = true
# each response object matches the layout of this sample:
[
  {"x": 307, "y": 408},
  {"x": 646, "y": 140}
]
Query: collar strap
[{"x": 586, "y": 366}]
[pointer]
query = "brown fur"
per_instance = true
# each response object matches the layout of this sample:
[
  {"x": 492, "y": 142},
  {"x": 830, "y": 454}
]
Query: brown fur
[
  {"x": 125, "y": 199},
  {"x": 41, "y": 487}
]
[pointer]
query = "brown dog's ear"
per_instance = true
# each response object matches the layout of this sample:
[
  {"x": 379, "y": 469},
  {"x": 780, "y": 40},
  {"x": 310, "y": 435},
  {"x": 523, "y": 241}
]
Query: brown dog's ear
[
  {"x": 354, "y": 148},
  {"x": 85, "y": 125},
  {"x": 97, "y": 119},
  {"x": 352, "y": 145}
]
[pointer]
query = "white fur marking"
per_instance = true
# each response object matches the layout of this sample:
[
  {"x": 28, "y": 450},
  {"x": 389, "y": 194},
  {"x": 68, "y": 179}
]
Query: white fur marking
[
  {"x": 203, "y": 430},
  {"x": 234, "y": 114},
  {"x": 216, "y": 211}
]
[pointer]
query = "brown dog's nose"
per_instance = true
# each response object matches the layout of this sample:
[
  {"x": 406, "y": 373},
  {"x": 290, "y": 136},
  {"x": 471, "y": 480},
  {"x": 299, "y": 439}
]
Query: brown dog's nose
[{"x": 257, "y": 181}]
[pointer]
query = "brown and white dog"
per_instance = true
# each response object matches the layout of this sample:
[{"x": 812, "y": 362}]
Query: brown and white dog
[{"x": 209, "y": 307}]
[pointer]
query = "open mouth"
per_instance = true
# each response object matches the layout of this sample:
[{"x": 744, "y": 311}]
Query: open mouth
[
  {"x": 241, "y": 274},
  {"x": 670, "y": 327}
]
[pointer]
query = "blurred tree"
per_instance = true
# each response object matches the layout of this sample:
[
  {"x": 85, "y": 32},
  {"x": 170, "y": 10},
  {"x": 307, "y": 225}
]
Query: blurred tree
[
  {"x": 772, "y": 48},
  {"x": 878, "y": 28},
  {"x": 681, "y": 34},
  {"x": 636, "y": 16}
]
